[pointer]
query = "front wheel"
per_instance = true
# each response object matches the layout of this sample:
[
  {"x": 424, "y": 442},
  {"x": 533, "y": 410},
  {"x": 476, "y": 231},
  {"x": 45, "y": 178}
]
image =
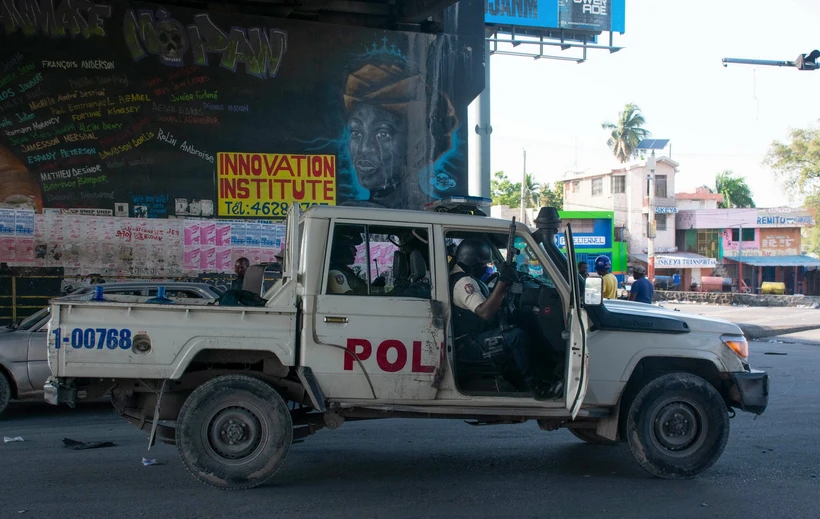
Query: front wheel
[
  {"x": 5, "y": 392},
  {"x": 677, "y": 426},
  {"x": 234, "y": 432}
]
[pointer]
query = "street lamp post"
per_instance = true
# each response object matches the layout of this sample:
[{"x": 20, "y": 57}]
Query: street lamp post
[{"x": 651, "y": 144}]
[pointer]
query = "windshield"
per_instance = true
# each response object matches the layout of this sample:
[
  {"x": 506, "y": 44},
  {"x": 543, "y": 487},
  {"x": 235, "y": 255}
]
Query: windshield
[{"x": 32, "y": 320}]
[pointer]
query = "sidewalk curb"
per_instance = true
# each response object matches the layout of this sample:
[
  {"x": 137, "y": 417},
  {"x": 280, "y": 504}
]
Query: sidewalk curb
[{"x": 753, "y": 331}]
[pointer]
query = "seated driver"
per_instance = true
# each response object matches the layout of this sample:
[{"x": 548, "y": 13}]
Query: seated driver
[
  {"x": 342, "y": 279},
  {"x": 475, "y": 312}
]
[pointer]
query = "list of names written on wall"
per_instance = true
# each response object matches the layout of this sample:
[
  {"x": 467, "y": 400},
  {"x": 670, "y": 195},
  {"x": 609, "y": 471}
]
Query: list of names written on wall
[{"x": 118, "y": 105}]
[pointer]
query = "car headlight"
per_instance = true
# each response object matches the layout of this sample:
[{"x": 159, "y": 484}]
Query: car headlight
[{"x": 738, "y": 344}]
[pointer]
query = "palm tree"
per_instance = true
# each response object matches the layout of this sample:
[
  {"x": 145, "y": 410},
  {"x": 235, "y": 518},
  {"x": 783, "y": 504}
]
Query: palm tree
[
  {"x": 532, "y": 192},
  {"x": 735, "y": 191},
  {"x": 626, "y": 133}
]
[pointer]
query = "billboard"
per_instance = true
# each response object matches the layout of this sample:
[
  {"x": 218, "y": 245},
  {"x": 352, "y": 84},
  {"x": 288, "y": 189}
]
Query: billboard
[
  {"x": 579, "y": 15},
  {"x": 150, "y": 110}
]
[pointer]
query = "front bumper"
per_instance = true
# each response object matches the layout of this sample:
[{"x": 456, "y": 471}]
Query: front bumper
[{"x": 750, "y": 391}]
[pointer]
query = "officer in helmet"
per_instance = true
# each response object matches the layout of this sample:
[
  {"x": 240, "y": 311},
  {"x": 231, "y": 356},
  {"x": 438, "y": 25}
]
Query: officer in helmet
[
  {"x": 342, "y": 279},
  {"x": 476, "y": 311},
  {"x": 603, "y": 266}
]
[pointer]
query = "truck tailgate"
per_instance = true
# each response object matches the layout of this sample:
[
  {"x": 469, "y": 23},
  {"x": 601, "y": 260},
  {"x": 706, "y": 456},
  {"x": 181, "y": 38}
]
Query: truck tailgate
[{"x": 124, "y": 340}]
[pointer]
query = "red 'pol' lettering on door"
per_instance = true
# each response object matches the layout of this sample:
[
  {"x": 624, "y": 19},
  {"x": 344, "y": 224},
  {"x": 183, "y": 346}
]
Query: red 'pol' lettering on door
[{"x": 362, "y": 349}]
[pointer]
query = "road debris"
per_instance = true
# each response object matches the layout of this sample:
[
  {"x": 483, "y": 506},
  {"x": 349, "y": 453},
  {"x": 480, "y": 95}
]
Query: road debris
[
  {"x": 148, "y": 461},
  {"x": 7, "y": 439},
  {"x": 79, "y": 446}
]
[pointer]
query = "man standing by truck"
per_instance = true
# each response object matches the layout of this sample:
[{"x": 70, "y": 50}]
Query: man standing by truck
[
  {"x": 603, "y": 266},
  {"x": 642, "y": 289}
]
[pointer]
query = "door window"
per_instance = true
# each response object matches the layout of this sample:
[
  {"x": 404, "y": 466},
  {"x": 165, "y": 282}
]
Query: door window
[{"x": 379, "y": 260}]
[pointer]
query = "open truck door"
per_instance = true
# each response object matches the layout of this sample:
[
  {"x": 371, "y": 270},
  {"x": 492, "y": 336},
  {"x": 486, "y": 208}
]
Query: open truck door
[{"x": 577, "y": 325}]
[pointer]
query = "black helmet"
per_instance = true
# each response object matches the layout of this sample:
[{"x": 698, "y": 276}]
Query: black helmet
[{"x": 471, "y": 252}]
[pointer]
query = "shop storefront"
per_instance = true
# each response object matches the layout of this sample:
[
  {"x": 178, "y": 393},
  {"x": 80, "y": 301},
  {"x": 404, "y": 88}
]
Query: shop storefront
[
  {"x": 685, "y": 268},
  {"x": 594, "y": 235}
]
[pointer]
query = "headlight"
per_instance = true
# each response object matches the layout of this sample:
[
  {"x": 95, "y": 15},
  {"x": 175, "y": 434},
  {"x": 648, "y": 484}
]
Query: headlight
[{"x": 738, "y": 344}]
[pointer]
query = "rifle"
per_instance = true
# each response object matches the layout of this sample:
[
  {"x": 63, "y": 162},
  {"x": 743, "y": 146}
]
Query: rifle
[{"x": 508, "y": 308}]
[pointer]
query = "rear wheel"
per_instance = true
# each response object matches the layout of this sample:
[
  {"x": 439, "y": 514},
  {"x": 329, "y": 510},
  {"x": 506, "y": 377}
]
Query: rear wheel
[
  {"x": 5, "y": 392},
  {"x": 591, "y": 437},
  {"x": 677, "y": 426},
  {"x": 234, "y": 432}
]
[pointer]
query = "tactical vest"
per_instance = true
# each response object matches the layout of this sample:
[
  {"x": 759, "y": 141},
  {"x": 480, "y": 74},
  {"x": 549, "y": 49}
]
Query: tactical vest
[{"x": 466, "y": 322}]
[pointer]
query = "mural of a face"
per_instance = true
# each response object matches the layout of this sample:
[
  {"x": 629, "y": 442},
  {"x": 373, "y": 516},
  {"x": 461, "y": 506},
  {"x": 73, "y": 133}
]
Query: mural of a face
[{"x": 378, "y": 144}]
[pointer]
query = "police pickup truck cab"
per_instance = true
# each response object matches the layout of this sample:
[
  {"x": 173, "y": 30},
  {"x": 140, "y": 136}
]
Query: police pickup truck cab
[{"x": 234, "y": 386}]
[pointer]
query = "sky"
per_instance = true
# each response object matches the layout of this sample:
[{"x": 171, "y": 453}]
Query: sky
[{"x": 717, "y": 118}]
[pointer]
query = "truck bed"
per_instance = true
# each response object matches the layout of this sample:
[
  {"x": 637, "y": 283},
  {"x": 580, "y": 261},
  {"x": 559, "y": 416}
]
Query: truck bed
[{"x": 109, "y": 339}]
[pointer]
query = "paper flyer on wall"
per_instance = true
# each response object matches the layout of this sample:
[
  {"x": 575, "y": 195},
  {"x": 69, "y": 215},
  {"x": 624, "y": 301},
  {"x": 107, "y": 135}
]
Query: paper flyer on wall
[
  {"x": 191, "y": 233},
  {"x": 238, "y": 234},
  {"x": 223, "y": 234},
  {"x": 207, "y": 258},
  {"x": 7, "y": 218},
  {"x": 24, "y": 223},
  {"x": 224, "y": 261},
  {"x": 7, "y": 253}
]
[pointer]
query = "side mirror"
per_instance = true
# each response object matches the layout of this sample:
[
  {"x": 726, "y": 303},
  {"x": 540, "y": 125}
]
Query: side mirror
[{"x": 593, "y": 291}]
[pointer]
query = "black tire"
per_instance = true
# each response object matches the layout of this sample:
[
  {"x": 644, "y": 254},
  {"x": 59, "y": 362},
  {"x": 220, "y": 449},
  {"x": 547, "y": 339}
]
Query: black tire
[
  {"x": 677, "y": 426},
  {"x": 591, "y": 437},
  {"x": 234, "y": 432},
  {"x": 5, "y": 392}
]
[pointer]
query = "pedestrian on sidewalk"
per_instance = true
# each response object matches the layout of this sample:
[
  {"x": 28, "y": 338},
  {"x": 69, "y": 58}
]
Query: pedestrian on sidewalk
[{"x": 642, "y": 289}]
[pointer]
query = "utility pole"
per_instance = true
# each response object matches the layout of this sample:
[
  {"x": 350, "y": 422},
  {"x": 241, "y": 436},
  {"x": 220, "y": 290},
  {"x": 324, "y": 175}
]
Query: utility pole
[
  {"x": 650, "y": 230},
  {"x": 739, "y": 257},
  {"x": 523, "y": 187}
]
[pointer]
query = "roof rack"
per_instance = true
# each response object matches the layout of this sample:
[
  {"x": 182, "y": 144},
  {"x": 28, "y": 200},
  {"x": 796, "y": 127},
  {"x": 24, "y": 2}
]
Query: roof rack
[{"x": 475, "y": 205}]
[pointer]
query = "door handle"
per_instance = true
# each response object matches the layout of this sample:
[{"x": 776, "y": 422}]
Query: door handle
[{"x": 336, "y": 320}]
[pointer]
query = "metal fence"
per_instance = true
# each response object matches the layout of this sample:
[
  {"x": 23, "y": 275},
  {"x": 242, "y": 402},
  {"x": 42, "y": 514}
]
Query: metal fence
[{"x": 21, "y": 296}]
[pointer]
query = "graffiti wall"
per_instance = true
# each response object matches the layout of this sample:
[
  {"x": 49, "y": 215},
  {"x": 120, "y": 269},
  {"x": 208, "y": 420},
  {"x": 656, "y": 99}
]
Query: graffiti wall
[{"x": 150, "y": 111}]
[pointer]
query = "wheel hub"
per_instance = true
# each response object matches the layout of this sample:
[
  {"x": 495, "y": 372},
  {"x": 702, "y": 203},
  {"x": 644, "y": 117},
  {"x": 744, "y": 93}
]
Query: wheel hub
[
  {"x": 676, "y": 426},
  {"x": 234, "y": 433}
]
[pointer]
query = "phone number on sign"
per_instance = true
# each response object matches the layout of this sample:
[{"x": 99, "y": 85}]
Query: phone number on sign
[
  {"x": 263, "y": 208},
  {"x": 94, "y": 338}
]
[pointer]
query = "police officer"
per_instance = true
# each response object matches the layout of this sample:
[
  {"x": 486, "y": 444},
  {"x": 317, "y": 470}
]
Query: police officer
[
  {"x": 476, "y": 309},
  {"x": 342, "y": 279}
]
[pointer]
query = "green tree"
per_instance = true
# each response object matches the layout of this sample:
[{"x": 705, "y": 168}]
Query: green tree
[
  {"x": 503, "y": 191},
  {"x": 797, "y": 162},
  {"x": 735, "y": 191},
  {"x": 532, "y": 191},
  {"x": 626, "y": 133},
  {"x": 506, "y": 192},
  {"x": 553, "y": 196}
]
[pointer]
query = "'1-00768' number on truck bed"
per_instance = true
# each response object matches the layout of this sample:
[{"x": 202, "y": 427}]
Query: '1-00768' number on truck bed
[{"x": 91, "y": 338}]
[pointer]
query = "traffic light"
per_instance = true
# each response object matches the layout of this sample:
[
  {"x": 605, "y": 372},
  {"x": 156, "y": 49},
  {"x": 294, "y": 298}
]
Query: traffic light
[{"x": 807, "y": 62}]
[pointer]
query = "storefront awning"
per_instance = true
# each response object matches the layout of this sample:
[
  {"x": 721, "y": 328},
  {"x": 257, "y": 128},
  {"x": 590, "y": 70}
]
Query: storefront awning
[
  {"x": 777, "y": 261},
  {"x": 678, "y": 260}
]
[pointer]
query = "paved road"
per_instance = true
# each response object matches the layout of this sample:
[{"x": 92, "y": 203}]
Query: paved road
[
  {"x": 759, "y": 315},
  {"x": 426, "y": 468}
]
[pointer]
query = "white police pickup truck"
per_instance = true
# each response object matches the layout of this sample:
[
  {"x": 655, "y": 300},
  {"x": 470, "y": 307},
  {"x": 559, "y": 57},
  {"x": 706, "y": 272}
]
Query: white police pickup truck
[{"x": 234, "y": 386}]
